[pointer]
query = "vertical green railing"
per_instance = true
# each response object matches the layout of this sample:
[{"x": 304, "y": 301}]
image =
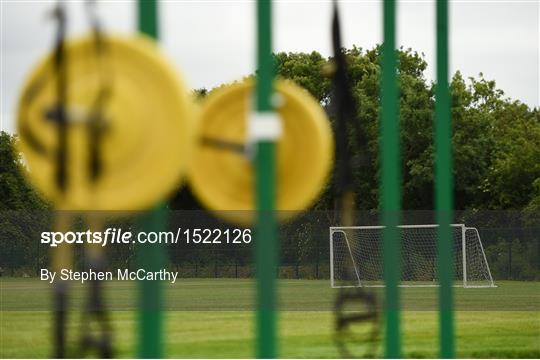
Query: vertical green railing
[
  {"x": 266, "y": 247},
  {"x": 148, "y": 18},
  {"x": 150, "y": 256},
  {"x": 390, "y": 186},
  {"x": 444, "y": 184}
]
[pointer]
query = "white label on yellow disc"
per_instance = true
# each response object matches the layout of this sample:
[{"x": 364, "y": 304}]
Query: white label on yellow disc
[{"x": 264, "y": 126}]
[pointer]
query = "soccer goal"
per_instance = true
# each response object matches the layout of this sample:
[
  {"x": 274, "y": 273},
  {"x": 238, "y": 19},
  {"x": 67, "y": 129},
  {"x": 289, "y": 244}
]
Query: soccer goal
[{"x": 356, "y": 256}]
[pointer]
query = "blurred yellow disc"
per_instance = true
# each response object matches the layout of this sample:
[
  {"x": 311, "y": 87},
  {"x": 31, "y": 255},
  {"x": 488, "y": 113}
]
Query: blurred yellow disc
[
  {"x": 147, "y": 128},
  {"x": 221, "y": 174}
]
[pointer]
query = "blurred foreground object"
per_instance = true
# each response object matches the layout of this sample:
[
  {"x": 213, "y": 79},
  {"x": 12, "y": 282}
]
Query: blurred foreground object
[
  {"x": 222, "y": 174},
  {"x": 127, "y": 123}
]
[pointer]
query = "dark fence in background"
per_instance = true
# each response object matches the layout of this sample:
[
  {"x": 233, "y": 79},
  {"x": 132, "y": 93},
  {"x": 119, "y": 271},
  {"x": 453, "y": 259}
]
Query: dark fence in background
[
  {"x": 511, "y": 241},
  {"x": 512, "y": 253},
  {"x": 237, "y": 263}
]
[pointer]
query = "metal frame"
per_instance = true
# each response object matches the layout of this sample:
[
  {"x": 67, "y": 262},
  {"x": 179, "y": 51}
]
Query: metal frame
[
  {"x": 330, "y": 232},
  {"x": 333, "y": 229},
  {"x": 492, "y": 283},
  {"x": 382, "y": 226},
  {"x": 464, "y": 256}
]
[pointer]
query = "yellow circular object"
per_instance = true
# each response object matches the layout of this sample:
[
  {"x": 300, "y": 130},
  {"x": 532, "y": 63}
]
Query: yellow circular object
[
  {"x": 222, "y": 175},
  {"x": 146, "y": 125}
]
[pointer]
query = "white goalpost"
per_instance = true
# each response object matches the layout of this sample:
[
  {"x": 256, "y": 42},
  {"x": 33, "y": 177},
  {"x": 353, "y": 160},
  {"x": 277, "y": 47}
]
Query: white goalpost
[{"x": 356, "y": 256}]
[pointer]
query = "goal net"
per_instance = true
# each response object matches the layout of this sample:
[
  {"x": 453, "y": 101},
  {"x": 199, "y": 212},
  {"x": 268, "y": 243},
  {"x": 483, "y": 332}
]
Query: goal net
[{"x": 356, "y": 257}]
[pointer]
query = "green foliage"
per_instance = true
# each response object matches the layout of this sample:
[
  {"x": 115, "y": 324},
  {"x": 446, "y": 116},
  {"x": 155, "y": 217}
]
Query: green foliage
[
  {"x": 15, "y": 192},
  {"x": 514, "y": 259},
  {"x": 305, "y": 70},
  {"x": 515, "y": 167},
  {"x": 496, "y": 140},
  {"x": 18, "y": 204}
]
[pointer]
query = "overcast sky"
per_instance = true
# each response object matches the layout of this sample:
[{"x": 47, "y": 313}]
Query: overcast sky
[{"x": 212, "y": 42}]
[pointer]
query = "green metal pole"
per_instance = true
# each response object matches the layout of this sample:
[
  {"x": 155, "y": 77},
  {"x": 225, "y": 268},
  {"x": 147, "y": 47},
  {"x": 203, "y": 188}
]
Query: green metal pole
[
  {"x": 266, "y": 246},
  {"x": 148, "y": 18},
  {"x": 150, "y": 256},
  {"x": 390, "y": 186},
  {"x": 444, "y": 184}
]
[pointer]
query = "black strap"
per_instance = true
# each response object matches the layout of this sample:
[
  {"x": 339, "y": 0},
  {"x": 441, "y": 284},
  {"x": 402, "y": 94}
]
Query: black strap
[
  {"x": 365, "y": 304},
  {"x": 96, "y": 126},
  {"x": 223, "y": 145},
  {"x": 61, "y": 94},
  {"x": 344, "y": 107},
  {"x": 60, "y": 117},
  {"x": 95, "y": 310},
  {"x": 96, "y": 121},
  {"x": 60, "y": 319}
]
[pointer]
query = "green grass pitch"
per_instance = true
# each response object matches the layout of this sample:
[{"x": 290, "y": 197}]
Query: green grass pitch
[{"x": 209, "y": 318}]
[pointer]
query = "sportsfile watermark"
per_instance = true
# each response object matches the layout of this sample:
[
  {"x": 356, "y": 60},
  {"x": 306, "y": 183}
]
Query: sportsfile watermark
[
  {"x": 209, "y": 264},
  {"x": 112, "y": 236}
]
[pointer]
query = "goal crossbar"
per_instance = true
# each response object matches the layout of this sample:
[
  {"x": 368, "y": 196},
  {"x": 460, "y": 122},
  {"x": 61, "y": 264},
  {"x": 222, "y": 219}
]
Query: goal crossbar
[{"x": 399, "y": 226}]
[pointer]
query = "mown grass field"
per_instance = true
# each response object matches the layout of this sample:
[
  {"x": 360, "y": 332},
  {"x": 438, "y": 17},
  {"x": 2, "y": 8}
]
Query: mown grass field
[{"x": 208, "y": 318}]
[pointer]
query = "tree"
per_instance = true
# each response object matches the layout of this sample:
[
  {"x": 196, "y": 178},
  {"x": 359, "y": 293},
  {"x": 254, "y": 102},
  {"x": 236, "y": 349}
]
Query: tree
[
  {"x": 15, "y": 192},
  {"x": 21, "y": 210},
  {"x": 496, "y": 139}
]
